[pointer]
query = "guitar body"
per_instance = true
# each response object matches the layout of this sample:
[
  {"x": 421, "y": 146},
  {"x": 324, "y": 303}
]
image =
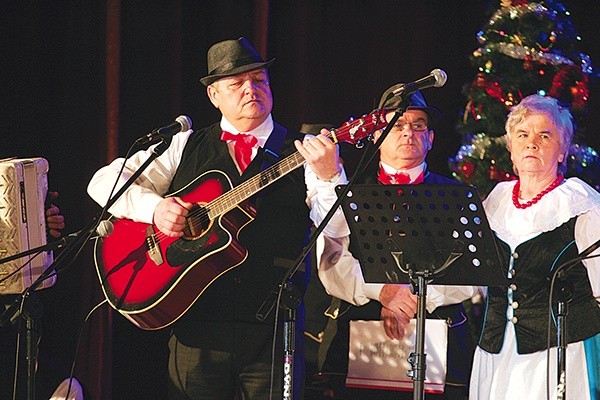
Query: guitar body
[{"x": 153, "y": 279}]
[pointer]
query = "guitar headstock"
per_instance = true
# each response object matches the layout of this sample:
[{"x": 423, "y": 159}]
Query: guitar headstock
[{"x": 355, "y": 130}]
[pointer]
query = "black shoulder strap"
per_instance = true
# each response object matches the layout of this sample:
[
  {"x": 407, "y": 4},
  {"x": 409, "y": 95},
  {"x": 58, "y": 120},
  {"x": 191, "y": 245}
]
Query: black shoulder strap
[{"x": 273, "y": 146}]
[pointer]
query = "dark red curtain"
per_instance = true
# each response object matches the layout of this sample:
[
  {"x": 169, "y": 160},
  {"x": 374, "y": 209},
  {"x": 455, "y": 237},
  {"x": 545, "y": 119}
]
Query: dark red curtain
[{"x": 82, "y": 80}]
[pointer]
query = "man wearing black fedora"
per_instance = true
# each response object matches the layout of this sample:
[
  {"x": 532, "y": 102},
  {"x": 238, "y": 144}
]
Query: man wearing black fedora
[
  {"x": 219, "y": 349},
  {"x": 401, "y": 161}
]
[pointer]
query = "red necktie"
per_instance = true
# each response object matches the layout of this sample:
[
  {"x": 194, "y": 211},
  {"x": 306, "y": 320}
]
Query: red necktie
[
  {"x": 398, "y": 178},
  {"x": 243, "y": 145}
]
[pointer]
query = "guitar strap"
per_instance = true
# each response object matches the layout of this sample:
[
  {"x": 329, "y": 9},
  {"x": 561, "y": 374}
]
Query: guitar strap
[
  {"x": 273, "y": 146},
  {"x": 272, "y": 150}
]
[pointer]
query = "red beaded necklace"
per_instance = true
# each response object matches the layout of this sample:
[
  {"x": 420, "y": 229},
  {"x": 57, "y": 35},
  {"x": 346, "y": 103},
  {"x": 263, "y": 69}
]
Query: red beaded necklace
[{"x": 515, "y": 194}]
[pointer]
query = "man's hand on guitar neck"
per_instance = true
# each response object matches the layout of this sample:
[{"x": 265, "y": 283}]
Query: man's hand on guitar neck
[
  {"x": 321, "y": 154},
  {"x": 170, "y": 216}
]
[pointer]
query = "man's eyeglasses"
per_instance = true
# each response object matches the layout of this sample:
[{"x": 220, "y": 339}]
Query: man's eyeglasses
[{"x": 415, "y": 126}]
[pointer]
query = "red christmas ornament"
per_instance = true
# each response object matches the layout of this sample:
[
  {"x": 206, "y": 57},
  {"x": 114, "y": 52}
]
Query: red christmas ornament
[
  {"x": 581, "y": 94},
  {"x": 494, "y": 90},
  {"x": 467, "y": 169},
  {"x": 475, "y": 111},
  {"x": 480, "y": 80},
  {"x": 528, "y": 63},
  {"x": 570, "y": 85}
]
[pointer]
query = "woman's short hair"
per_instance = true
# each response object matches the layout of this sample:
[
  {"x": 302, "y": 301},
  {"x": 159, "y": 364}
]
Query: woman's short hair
[{"x": 537, "y": 104}]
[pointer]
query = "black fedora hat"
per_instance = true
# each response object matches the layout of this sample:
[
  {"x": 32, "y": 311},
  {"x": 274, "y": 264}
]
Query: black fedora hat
[
  {"x": 417, "y": 102},
  {"x": 232, "y": 57}
]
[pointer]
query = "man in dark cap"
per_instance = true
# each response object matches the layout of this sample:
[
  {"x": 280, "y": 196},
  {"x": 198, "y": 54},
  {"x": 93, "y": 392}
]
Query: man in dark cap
[
  {"x": 219, "y": 349},
  {"x": 401, "y": 161}
]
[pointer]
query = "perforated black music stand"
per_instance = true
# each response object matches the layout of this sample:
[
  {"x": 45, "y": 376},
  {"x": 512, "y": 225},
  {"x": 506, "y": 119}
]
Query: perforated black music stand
[{"x": 422, "y": 234}]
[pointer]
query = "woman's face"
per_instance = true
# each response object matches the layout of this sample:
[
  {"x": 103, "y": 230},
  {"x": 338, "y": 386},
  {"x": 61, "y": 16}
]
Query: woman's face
[{"x": 535, "y": 146}]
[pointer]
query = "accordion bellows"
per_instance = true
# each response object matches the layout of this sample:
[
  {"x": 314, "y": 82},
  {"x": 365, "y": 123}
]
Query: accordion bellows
[{"x": 23, "y": 189}]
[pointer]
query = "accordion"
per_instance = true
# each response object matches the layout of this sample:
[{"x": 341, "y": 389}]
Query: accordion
[{"x": 23, "y": 189}]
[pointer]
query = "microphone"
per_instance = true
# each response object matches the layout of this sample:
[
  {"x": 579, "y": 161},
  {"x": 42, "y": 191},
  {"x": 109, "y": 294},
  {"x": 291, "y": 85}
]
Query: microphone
[
  {"x": 104, "y": 229},
  {"x": 436, "y": 78},
  {"x": 182, "y": 123}
]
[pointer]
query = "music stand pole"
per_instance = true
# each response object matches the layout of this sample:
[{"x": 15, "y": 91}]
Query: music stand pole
[{"x": 418, "y": 358}]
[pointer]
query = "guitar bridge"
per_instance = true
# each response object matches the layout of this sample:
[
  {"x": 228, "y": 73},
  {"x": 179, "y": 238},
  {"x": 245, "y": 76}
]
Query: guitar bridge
[{"x": 153, "y": 246}]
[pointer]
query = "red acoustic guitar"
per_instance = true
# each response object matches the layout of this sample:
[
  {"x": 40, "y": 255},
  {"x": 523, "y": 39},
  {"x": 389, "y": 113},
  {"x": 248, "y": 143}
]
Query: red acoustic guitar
[{"x": 153, "y": 279}]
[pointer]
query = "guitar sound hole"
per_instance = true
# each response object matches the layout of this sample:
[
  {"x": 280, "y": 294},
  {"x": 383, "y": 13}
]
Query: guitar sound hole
[{"x": 197, "y": 222}]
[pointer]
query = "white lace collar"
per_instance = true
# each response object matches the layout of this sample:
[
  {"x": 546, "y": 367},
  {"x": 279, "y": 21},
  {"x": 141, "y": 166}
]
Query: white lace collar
[{"x": 574, "y": 197}]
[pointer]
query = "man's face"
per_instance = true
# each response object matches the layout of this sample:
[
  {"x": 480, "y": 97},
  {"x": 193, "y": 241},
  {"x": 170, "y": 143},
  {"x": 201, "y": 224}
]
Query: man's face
[
  {"x": 244, "y": 99},
  {"x": 408, "y": 142}
]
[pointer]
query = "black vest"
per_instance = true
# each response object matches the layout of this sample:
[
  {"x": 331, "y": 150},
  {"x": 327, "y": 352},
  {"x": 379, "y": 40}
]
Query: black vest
[
  {"x": 533, "y": 261},
  {"x": 273, "y": 239}
]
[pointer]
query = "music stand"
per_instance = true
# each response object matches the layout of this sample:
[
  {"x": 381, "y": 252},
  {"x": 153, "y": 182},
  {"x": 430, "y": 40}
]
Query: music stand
[{"x": 422, "y": 234}]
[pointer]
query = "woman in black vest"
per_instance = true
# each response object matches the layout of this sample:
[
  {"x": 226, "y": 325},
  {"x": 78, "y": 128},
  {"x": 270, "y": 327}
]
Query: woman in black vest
[{"x": 542, "y": 220}]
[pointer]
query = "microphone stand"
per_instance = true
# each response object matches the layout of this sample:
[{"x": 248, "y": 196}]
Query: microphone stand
[
  {"x": 28, "y": 305},
  {"x": 565, "y": 290},
  {"x": 290, "y": 312},
  {"x": 46, "y": 247},
  {"x": 564, "y": 296}
]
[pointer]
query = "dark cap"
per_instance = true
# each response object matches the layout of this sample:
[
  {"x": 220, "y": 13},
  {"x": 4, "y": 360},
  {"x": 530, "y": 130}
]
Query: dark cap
[
  {"x": 417, "y": 102},
  {"x": 232, "y": 57}
]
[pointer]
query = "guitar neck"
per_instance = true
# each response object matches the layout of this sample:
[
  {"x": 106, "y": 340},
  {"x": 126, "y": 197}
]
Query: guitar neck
[
  {"x": 227, "y": 201},
  {"x": 351, "y": 131}
]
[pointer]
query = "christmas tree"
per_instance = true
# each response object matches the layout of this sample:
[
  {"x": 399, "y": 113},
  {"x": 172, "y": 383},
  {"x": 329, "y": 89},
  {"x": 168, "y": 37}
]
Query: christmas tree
[{"x": 526, "y": 48}]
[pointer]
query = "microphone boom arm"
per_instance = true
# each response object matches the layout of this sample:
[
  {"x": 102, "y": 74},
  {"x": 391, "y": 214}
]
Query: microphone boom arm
[{"x": 436, "y": 78}]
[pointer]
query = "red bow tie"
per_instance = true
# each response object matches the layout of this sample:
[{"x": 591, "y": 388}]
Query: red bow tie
[
  {"x": 398, "y": 178},
  {"x": 243, "y": 145}
]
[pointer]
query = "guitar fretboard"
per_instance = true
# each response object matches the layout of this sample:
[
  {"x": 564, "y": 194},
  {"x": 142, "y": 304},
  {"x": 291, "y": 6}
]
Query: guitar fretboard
[{"x": 245, "y": 190}]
